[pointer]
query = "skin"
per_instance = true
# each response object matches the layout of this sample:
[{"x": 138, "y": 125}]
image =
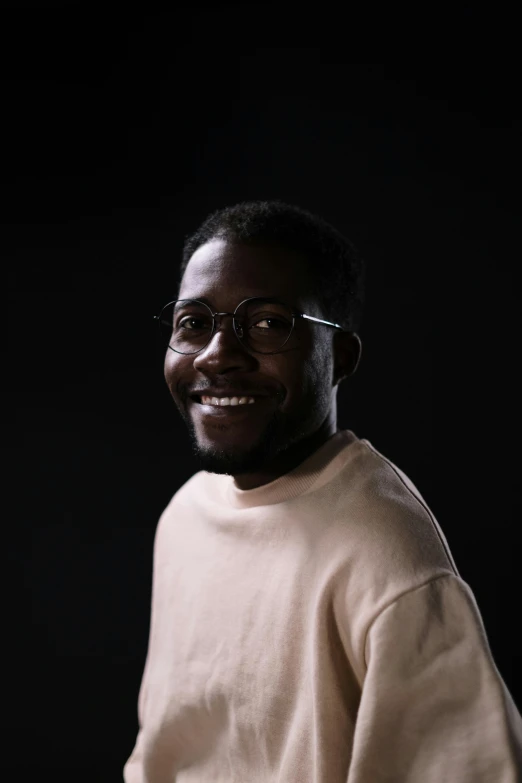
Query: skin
[{"x": 302, "y": 380}]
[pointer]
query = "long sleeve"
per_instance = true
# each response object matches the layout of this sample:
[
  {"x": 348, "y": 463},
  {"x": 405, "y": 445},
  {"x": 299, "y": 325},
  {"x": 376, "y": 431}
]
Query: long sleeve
[
  {"x": 133, "y": 770},
  {"x": 433, "y": 705}
]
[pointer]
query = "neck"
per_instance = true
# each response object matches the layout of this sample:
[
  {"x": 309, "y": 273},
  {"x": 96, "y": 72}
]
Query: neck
[{"x": 289, "y": 459}]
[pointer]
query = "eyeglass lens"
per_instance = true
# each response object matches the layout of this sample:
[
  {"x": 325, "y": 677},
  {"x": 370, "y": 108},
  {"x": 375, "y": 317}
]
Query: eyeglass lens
[{"x": 262, "y": 325}]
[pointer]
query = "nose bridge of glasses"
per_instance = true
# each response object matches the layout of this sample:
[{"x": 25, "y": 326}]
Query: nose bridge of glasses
[{"x": 237, "y": 325}]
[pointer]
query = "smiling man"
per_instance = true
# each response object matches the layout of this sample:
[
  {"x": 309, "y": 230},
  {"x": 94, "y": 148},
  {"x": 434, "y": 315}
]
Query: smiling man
[
  {"x": 308, "y": 622},
  {"x": 288, "y": 411}
]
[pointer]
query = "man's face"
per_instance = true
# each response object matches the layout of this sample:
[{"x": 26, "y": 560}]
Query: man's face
[{"x": 297, "y": 382}]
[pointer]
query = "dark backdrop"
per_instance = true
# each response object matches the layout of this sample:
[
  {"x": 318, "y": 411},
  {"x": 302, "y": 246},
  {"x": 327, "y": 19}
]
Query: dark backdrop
[{"x": 119, "y": 135}]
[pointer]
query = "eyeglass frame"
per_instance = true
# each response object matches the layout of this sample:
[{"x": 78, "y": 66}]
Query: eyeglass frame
[{"x": 294, "y": 313}]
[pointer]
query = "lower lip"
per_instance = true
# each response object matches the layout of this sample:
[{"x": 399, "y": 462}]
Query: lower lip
[{"x": 229, "y": 410}]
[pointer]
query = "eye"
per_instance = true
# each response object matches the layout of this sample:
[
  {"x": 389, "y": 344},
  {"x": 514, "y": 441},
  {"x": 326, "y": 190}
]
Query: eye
[
  {"x": 277, "y": 323},
  {"x": 192, "y": 319}
]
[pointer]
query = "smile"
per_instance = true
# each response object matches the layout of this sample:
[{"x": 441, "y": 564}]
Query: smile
[
  {"x": 228, "y": 406},
  {"x": 224, "y": 401}
]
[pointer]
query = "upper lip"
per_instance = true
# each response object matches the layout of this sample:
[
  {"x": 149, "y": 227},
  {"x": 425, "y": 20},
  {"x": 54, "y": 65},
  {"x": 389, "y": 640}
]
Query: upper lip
[{"x": 225, "y": 393}]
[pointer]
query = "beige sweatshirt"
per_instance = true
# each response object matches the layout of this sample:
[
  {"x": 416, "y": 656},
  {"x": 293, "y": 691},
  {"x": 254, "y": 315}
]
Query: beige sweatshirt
[{"x": 316, "y": 630}]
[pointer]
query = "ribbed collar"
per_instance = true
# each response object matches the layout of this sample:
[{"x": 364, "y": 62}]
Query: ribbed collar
[{"x": 292, "y": 484}]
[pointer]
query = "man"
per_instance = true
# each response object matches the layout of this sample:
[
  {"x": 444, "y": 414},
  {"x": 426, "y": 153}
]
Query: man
[{"x": 308, "y": 623}]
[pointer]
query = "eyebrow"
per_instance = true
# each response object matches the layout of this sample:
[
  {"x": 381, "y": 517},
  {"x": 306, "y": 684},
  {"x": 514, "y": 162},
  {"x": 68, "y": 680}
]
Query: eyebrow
[{"x": 207, "y": 301}]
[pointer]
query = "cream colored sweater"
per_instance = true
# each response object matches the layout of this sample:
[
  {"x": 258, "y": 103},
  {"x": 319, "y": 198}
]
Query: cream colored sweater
[{"x": 316, "y": 630}]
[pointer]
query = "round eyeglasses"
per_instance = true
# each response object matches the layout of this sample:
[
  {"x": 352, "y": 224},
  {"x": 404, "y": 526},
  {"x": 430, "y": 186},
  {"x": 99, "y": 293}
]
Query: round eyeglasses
[{"x": 262, "y": 325}]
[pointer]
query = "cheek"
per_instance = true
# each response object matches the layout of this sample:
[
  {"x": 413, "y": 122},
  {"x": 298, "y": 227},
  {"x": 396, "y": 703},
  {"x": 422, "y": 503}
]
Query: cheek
[
  {"x": 315, "y": 372},
  {"x": 298, "y": 377},
  {"x": 167, "y": 366},
  {"x": 172, "y": 369}
]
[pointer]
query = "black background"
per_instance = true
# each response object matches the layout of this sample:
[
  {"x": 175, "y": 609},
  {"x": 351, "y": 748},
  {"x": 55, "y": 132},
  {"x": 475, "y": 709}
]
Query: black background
[{"x": 119, "y": 134}]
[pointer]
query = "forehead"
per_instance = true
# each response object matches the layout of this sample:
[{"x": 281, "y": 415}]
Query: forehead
[{"x": 226, "y": 272}]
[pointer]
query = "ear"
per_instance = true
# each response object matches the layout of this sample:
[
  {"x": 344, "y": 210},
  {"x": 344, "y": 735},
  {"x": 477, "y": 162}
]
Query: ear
[{"x": 347, "y": 349}]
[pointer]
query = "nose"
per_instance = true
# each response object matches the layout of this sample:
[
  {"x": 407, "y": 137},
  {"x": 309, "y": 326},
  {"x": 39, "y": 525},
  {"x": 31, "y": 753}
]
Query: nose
[{"x": 224, "y": 350}]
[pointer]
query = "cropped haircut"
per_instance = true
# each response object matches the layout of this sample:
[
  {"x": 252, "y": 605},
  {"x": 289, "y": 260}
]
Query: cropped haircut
[{"x": 336, "y": 269}]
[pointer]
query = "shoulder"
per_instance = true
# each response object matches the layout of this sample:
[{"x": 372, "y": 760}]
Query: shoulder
[
  {"x": 391, "y": 540},
  {"x": 389, "y": 516},
  {"x": 385, "y": 539}
]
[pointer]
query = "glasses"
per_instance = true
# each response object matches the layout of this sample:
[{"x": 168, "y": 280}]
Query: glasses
[{"x": 262, "y": 325}]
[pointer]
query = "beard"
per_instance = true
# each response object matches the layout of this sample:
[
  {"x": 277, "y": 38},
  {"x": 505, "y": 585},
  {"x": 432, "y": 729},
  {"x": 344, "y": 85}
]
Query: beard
[{"x": 253, "y": 454}]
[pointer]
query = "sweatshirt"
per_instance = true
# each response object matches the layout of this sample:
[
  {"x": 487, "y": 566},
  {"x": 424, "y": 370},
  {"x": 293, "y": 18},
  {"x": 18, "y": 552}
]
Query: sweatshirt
[{"x": 316, "y": 630}]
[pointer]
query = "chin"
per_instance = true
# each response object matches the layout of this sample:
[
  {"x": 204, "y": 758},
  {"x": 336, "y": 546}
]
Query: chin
[
  {"x": 225, "y": 462},
  {"x": 234, "y": 459}
]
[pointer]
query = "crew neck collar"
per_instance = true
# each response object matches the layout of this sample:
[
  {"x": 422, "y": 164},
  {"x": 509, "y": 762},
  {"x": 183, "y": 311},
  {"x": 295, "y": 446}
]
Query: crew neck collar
[{"x": 294, "y": 483}]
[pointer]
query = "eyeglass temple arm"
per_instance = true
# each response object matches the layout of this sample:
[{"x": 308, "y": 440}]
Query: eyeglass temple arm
[{"x": 319, "y": 320}]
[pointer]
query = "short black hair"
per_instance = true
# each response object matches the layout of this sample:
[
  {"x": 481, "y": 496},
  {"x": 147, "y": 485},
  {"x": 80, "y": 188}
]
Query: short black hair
[{"x": 336, "y": 268}]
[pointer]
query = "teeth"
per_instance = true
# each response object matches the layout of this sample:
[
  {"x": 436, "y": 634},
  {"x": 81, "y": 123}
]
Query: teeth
[{"x": 220, "y": 401}]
